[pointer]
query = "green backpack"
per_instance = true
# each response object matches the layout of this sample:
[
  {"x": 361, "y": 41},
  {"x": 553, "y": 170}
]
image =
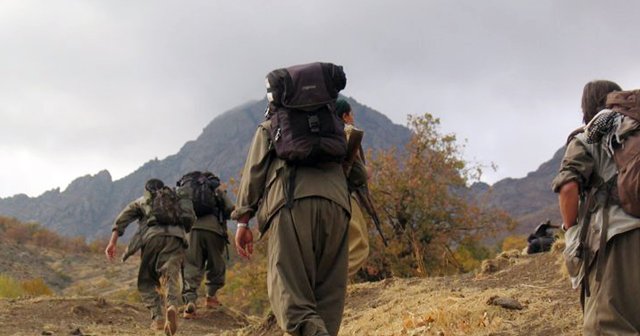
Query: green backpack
[{"x": 168, "y": 208}]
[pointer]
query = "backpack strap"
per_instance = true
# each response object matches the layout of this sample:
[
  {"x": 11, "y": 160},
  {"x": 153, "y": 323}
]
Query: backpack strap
[
  {"x": 289, "y": 182},
  {"x": 574, "y": 133},
  {"x": 605, "y": 226},
  {"x": 583, "y": 250},
  {"x": 584, "y": 215}
]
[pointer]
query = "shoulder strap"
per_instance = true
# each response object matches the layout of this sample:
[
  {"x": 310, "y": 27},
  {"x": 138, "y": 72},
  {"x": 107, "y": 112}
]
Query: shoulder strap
[
  {"x": 573, "y": 134},
  {"x": 583, "y": 250}
]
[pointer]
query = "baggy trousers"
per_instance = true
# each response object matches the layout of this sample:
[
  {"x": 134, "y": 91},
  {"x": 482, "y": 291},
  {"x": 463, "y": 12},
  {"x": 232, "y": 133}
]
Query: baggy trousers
[
  {"x": 358, "y": 237},
  {"x": 612, "y": 307},
  {"x": 205, "y": 257},
  {"x": 161, "y": 263},
  {"x": 307, "y": 266}
]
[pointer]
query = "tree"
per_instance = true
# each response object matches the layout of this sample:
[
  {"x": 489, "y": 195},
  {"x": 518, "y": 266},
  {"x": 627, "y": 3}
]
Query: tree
[{"x": 421, "y": 193}]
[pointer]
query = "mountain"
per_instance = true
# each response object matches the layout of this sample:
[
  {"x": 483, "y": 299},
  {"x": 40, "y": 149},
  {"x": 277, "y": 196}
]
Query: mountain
[
  {"x": 529, "y": 200},
  {"x": 88, "y": 206}
]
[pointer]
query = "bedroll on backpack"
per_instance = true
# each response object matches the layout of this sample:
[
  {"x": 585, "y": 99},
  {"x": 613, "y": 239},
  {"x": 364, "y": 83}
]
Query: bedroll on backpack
[
  {"x": 200, "y": 187},
  {"x": 304, "y": 126},
  {"x": 627, "y": 155},
  {"x": 165, "y": 207}
]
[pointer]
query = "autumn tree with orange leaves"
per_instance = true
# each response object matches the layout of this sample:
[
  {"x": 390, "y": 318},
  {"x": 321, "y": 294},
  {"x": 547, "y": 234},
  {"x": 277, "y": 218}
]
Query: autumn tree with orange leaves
[{"x": 422, "y": 198}]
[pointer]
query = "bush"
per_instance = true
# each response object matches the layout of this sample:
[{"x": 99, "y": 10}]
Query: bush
[
  {"x": 10, "y": 288},
  {"x": 245, "y": 287},
  {"x": 36, "y": 287},
  {"x": 421, "y": 195},
  {"x": 33, "y": 233},
  {"x": 514, "y": 243}
]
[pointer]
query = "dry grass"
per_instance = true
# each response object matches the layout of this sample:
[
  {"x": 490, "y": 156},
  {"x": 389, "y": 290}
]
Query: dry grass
[{"x": 458, "y": 305}]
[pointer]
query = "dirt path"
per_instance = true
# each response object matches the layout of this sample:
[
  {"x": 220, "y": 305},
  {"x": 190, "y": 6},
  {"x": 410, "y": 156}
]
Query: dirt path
[
  {"x": 457, "y": 305},
  {"x": 91, "y": 316}
]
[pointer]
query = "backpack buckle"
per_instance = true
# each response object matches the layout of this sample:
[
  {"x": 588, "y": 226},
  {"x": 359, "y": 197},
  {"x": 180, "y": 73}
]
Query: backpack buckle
[{"x": 278, "y": 135}]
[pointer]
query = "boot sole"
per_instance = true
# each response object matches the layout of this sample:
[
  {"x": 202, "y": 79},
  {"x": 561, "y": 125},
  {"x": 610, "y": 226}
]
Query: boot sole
[{"x": 171, "y": 325}]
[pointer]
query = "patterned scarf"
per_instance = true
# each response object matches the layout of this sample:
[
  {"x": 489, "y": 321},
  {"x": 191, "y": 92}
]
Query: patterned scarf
[{"x": 600, "y": 125}]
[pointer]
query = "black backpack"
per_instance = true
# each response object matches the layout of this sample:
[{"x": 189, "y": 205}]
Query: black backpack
[
  {"x": 200, "y": 187},
  {"x": 165, "y": 207},
  {"x": 304, "y": 126}
]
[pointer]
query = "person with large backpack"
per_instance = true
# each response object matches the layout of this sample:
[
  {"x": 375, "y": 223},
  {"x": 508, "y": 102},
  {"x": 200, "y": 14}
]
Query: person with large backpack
[
  {"x": 542, "y": 238},
  {"x": 294, "y": 184},
  {"x": 208, "y": 239},
  {"x": 357, "y": 176},
  {"x": 164, "y": 217},
  {"x": 599, "y": 198}
]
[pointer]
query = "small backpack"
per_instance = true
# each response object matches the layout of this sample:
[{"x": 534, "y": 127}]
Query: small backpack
[
  {"x": 304, "y": 126},
  {"x": 627, "y": 154},
  {"x": 165, "y": 207},
  {"x": 200, "y": 187}
]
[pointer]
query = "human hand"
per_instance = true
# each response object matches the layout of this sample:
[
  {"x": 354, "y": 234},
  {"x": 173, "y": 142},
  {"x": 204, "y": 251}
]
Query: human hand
[
  {"x": 110, "y": 251},
  {"x": 244, "y": 242}
]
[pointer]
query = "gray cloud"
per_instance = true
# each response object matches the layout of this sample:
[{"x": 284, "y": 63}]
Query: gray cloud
[{"x": 90, "y": 85}]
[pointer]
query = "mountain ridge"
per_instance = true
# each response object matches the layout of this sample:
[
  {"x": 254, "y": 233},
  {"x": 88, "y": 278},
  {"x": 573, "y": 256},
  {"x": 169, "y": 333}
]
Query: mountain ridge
[{"x": 89, "y": 204}]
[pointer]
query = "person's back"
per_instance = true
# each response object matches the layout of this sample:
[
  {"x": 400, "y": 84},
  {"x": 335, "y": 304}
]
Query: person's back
[
  {"x": 163, "y": 218},
  {"x": 357, "y": 176},
  {"x": 602, "y": 240},
  {"x": 541, "y": 239},
  {"x": 306, "y": 208},
  {"x": 207, "y": 241}
]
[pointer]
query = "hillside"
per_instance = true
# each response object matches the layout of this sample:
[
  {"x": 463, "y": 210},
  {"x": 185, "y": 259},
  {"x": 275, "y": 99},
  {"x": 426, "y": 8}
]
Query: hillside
[
  {"x": 89, "y": 204},
  {"x": 457, "y": 305},
  {"x": 529, "y": 200}
]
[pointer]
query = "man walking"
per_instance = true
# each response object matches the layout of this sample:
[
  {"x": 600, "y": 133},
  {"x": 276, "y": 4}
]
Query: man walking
[
  {"x": 163, "y": 217},
  {"x": 305, "y": 206},
  {"x": 355, "y": 169},
  {"x": 207, "y": 240},
  {"x": 602, "y": 238}
]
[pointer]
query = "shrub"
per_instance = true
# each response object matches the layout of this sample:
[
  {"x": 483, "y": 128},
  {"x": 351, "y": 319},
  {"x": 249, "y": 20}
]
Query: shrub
[
  {"x": 514, "y": 243},
  {"x": 246, "y": 283},
  {"x": 420, "y": 194},
  {"x": 10, "y": 288},
  {"x": 36, "y": 287}
]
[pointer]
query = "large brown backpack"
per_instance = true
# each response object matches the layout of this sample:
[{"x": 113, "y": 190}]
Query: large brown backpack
[
  {"x": 627, "y": 154},
  {"x": 304, "y": 126}
]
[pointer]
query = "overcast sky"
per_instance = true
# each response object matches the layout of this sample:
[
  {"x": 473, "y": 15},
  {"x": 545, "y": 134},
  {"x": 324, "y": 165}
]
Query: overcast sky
[{"x": 91, "y": 85}]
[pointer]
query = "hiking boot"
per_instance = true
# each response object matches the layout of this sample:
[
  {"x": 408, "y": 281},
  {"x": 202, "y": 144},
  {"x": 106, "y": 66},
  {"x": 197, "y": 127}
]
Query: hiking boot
[
  {"x": 212, "y": 302},
  {"x": 189, "y": 311},
  {"x": 171, "y": 324},
  {"x": 157, "y": 325}
]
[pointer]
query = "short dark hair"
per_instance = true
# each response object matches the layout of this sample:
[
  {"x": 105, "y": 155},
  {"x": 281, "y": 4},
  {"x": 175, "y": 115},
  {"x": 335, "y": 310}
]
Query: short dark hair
[
  {"x": 594, "y": 97},
  {"x": 342, "y": 108},
  {"x": 153, "y": 185}
]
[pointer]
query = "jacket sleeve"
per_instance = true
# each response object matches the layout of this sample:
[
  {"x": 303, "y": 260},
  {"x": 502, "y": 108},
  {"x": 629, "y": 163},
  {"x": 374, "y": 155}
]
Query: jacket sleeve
[
  {"x": 228, "y": 205},
  {"x": 577, "y": 165},
  {"x": 254, "y": 174},
  {"x": 132, "y": 212}
]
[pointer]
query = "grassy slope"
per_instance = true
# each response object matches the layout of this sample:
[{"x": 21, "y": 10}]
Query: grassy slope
[{"x": 434, "y": 306}]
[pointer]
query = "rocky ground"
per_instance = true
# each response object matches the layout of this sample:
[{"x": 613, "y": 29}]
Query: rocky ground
[{"x": 512, "y": 295}]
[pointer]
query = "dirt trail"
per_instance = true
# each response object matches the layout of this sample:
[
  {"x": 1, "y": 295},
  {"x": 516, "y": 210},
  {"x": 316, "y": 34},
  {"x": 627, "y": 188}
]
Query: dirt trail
[
  {"x": 455, "y": 305},
  {"x": 96, "y": 316}
]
